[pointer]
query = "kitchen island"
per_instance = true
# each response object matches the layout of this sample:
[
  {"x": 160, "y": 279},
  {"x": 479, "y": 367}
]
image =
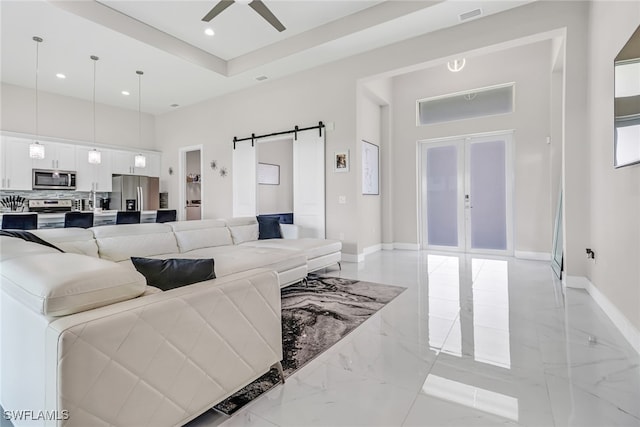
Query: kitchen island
[{"x": 56, "y": 220}]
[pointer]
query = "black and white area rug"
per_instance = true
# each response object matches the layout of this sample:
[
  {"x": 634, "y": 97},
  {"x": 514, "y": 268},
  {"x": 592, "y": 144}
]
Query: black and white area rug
[{"x": 315, "y": 317}]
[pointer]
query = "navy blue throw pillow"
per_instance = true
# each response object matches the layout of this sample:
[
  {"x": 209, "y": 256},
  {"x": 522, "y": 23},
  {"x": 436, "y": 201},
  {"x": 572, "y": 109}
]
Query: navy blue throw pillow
[
  {"x": 173, "y": 272},
  {"x": 268, "y": 228}
]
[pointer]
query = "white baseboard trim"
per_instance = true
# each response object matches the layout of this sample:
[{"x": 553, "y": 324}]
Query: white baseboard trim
[
  {"x": 352, "y": 257},
  {"x": 406, "y": 246},
  {"x": 372, "y": 249},
  {"x": 379, "y": 247},
  {"x": 576, "y": 282},
  {"x": 535, "y": 256},
  {"x": 626, "y": 328}
]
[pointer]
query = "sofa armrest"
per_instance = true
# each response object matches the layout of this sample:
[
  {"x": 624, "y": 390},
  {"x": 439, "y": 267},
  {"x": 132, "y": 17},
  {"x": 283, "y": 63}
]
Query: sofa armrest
[
  {"x": 183, "y": 350},
  {"x": 290, "y": 231}
]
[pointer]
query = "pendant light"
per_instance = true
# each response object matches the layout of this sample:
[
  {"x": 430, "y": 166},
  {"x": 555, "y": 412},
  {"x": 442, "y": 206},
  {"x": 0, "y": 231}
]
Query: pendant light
[
  {"x": 94, "y": 156},
  {"x": 36, "y": 150},
  {"x": 139, "y": 160}
]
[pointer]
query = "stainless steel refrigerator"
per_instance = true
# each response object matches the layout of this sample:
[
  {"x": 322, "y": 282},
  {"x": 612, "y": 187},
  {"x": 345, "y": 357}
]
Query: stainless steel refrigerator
[{"x": 135, "y": 193}]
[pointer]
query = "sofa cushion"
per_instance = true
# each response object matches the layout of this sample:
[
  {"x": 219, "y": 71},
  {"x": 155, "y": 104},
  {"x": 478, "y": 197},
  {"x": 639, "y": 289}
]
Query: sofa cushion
[
  {"x": 13, "y": 247},
  {"x": 269, "y": 228},
  {"x": 312, "y": 248},
  {"x": 234, "y": 259},
  {"x": 173, "y": 273},
  {"x": 121, "y": 242},
  {"x": 74, "y": 240},
  {"x": 243, "y": 229},
  {"x": 57, "y": 284},
  {"x": 206, "y": 233}
]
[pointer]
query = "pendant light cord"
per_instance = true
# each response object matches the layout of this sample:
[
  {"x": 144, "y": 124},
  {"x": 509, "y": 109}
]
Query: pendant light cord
[
  {"x": 139, "y": 73},
  {"x": 95, "y": 61},
  {"x": 38, "y": 40}
]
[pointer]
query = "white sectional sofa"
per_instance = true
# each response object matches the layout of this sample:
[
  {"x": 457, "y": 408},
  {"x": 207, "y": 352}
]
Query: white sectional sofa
[{"x": 84, "y": 339}]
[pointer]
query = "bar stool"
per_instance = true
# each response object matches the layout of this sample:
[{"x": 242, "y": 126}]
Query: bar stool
[
  {"x": 166, "y": 215},
  {"x": 128, "y": 217},
  {"x": 78, "y": 219},
  {"x": 19, "y": 221}
]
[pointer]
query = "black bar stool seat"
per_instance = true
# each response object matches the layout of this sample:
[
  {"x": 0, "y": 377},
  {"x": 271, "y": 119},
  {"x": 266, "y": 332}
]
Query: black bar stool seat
[
  {"x": 128, "y": 217},
  {"x": 166, "y": 215},
  {"x": 19, "y": 221},
  {"x": 78, "y": 219}
]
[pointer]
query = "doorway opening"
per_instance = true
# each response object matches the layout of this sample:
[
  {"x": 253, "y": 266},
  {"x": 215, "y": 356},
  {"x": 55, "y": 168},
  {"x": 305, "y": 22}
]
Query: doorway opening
[
  {"x": 466, "y": 194},
  {"x": 191, "y": 187},
  {"x": 275, "y": 177}
]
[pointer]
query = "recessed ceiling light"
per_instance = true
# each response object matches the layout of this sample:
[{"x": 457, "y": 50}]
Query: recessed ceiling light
[
  {"x": 61, "y": 76},
  {"x": 209, "y": 31},
  {"x": 261, "y": 78},
  {"x": 125, "y": 93},
  {"x": 174, "y": 105}
]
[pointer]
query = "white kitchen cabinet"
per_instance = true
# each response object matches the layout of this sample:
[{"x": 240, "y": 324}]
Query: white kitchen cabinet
[
  {"x": 15, "y": 164},
  {"x": 90, "y": 176},
  {"x": 57, "y": 156},
  {"x": 123, "y": 163}
]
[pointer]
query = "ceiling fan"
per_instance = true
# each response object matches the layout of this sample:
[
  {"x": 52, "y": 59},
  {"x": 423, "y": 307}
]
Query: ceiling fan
[{"x": 256, "y": 5}]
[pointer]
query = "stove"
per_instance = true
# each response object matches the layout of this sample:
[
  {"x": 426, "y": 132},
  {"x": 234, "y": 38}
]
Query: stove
[{"x": 50, "y": 205}]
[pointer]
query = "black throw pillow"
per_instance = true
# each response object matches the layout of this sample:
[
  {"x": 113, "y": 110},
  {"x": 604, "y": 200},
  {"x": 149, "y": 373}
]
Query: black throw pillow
[
  {"x": 173, "y": 272},
  {"x": 268, "y": 228}
]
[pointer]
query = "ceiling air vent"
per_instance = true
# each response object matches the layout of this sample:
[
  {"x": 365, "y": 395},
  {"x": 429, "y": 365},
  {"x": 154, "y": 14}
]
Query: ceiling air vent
[{"x": 471, "y": 14}]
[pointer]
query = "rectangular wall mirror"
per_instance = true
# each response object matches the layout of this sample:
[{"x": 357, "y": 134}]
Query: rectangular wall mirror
[{"x": 627, "y": 103}]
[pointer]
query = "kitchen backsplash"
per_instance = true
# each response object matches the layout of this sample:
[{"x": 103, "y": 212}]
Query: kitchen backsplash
[{"x": 50, "y": 194}]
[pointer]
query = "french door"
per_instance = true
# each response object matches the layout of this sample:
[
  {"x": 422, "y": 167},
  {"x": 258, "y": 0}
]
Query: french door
[{"x": 466, "y": 194}]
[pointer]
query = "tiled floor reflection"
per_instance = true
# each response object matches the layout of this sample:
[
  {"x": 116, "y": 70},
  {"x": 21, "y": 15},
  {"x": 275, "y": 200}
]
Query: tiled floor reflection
[{"x": 473, "y": 341}]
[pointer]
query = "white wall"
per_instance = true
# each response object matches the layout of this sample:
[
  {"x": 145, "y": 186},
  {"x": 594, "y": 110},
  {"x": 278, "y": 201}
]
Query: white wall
[
  {"x": 273, "y": 106},
  {"x": 71, "y": 118},
  {"x": 329, "y": 93},
  {"x": 277, "y": 198},
  {"x": 370, "y": 205},
  {"x": 527, "y": 66},
  {"x": 615, "y": 193}
]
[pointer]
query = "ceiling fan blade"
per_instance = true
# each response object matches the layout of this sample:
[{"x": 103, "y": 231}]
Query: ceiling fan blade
[
  {"x": 217, "y": 9},
  {"x": 264, "y": 11}
]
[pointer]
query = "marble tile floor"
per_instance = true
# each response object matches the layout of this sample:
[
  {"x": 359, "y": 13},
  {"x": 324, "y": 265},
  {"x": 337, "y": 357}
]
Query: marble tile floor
[{"x": 474, "y": 340}]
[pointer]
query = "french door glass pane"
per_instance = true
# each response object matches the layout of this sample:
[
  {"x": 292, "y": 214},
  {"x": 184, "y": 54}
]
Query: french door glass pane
[
  {"x": 488, "y": 213},
  {"x": 442, "y": 195}
]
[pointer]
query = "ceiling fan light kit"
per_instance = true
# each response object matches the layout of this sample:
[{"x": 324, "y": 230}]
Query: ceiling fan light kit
[{"x": 256, "y": 5}]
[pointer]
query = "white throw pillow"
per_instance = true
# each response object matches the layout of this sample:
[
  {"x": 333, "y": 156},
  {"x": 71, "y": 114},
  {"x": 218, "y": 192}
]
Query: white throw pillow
[{"x": 244, "y": 233}]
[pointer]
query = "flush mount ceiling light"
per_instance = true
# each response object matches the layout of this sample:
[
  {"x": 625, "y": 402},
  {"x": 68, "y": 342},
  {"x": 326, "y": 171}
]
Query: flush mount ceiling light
[
  {"x": 94, "y": 156},
  {"x": 456, "y": 65},
  {"x": 125, "y": 93},
  {"x": 140, "y": 161},
  {"x": 36, "y": 150},
  {"x": 61, "y": 76},
  {"x": 209, "y": 31}
]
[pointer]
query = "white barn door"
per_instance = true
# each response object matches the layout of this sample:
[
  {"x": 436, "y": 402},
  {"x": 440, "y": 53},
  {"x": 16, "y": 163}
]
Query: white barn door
[
  {"x": 309, "y": 184},
  {"x": 244, "y": 179}
]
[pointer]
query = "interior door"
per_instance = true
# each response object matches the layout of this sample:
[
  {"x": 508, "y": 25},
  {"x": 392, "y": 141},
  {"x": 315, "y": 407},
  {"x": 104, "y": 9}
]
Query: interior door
[
  {"x": 244, "y": 179},
  {"x": 308, "y": 183},
  {"x": 467, "y": 195}
]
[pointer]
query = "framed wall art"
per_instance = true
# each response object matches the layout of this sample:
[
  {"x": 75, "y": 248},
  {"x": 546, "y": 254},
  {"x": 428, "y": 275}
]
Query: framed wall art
[
  {"x": 370, "y": 168},
  {"x": 341, "y": 161},
  {"x": 268, "y": 174}
]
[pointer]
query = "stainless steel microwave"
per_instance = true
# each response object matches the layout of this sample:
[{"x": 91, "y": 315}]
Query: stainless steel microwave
[{"x": 46, "y": 179}]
